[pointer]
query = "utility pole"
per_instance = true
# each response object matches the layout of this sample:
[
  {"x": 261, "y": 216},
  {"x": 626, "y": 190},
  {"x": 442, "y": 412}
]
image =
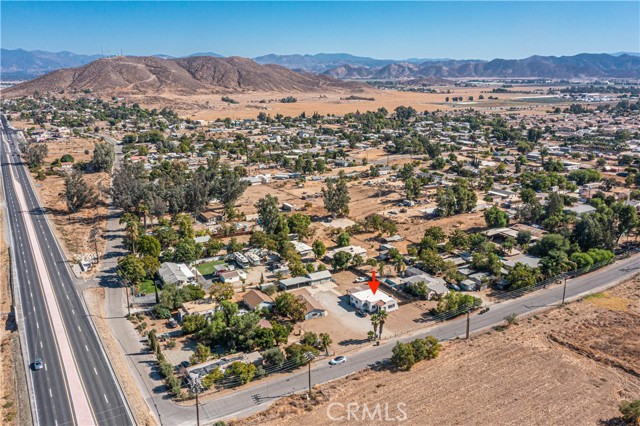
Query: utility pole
[
  {"x": 197, "y": 409},
  {"x": 309, "y": 376},
  {"x": 468, "y": 323},
  {"x": 564, "y": 289}
]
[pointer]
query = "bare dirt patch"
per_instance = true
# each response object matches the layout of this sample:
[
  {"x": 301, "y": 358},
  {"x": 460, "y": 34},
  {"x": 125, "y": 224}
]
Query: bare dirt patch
[
  {"x": 75, "y": 231},
  {"x": 519, "y": 376}
]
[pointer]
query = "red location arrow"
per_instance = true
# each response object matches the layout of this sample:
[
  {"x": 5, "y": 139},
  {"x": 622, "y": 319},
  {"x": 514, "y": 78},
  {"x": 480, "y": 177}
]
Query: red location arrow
[{"x": 373, "y": 284}]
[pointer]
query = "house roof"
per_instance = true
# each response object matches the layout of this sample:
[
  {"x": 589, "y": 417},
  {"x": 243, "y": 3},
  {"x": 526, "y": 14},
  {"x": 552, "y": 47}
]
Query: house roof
[
  {"x": 289, "y": 282},
  {"x": 255, "y": 297},
  {"x": 320, "y": 275},
  {"x": 368, "y": 296},
  {"x": 173, "y": 273},
  {"x": 310, "y": 303}
]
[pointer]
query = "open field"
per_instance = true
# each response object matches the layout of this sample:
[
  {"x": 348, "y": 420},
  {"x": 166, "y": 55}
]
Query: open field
[
  {"x": 74, "y": 231},
  {"x": 211, "y": 107},
  {"x": 518, "y": 376}
]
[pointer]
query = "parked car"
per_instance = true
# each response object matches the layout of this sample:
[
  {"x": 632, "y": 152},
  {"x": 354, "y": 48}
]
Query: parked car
[
  {"x": 338, "y": 360},
  {"x": 172, "y": 323},
  {"x": 361, "y": 314},
  {"x": 38, "y": 364},
  {"x": 360, "y": 279}
]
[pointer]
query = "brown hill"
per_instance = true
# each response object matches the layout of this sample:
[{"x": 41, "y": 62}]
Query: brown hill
[{"x": 148, "y": 75}]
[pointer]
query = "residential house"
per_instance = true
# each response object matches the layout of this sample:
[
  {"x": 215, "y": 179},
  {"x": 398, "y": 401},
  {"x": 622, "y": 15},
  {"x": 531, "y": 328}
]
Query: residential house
[
  {"x": 367, "y": 301},
  {"x": 176, "y": 273},
  {"x": 255, "y": 299}
]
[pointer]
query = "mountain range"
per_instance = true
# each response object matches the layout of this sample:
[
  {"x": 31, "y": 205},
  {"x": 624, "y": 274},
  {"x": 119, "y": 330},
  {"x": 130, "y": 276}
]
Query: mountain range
[
  {"x": 579, "y": 66},
  {"x": 20, "y": 64},
  {"x": 153, "y": 76}
]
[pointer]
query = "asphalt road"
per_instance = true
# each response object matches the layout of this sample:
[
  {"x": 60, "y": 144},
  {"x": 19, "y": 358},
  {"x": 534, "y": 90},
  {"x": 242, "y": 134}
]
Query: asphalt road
[{"x": 51, "y": 391}]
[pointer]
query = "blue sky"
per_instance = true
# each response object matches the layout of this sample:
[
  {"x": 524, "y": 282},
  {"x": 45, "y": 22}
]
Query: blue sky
[{"x": 396, "y": 30}]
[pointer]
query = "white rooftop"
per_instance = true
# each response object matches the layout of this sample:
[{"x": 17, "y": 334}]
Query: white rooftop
[{"x": 367, "y": 295}]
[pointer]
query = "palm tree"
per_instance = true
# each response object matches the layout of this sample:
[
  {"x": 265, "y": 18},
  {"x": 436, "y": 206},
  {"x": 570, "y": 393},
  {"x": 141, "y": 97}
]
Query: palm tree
[
  {"x": 143, "y": 210},
  {"x": 381, "y": 266},
  {"x": 326, "y": 341},
  {"x": 375, "y": 321},
  {"x": 382, "y": 317}
]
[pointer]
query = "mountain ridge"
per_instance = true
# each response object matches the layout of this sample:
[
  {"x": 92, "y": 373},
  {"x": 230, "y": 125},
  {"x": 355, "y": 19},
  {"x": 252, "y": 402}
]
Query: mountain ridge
[{"x": 150, "y": 75}]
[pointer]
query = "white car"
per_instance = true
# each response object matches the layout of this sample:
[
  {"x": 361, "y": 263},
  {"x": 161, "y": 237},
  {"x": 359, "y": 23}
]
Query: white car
[
  {"x": 338, "y": 360},
  {"x": 360, "y": 280}
]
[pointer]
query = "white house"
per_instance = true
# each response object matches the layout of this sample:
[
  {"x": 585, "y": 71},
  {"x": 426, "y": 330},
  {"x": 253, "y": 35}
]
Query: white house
[
  {"x": 367, "y": 301},
  {"x": 233, "y": 276},
  {"x": 176, "y": 273}
]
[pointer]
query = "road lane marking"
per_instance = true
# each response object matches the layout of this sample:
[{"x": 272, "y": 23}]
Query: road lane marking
[
  {"x": 50, "y": 394},
  {"x": 86, "y": 347},
  {"x": 105, "y": 398},
  {"x": 40, "y": 344},
  {"x": 95, "y": 371}
]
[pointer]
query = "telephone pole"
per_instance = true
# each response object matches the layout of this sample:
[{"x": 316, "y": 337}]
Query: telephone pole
[
  {"x": 468, "y": 323},
  {"x": 564, "y": 289}
]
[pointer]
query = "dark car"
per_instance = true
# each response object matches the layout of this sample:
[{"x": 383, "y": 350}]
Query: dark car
[
  {"x": 38, "y": 364},
  {"x": 361, "y": 314}
]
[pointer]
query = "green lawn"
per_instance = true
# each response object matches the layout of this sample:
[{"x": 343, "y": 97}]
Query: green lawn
[
  {"x": 207, "y": 268},
  {"x": 146, "y": 287}
]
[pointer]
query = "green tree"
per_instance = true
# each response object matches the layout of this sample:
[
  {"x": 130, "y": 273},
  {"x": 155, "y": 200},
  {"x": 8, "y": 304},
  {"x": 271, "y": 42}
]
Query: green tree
[
  {"x": 319, "y": 249},
  {"x": 221, "y": 291},
  {"x": 193, "y": 324},
  {"x": 268, "y": 213},
  {"x": 241, "y": 371},
  {"x": 131, "y": 268},
  {"x": 171, "y": 297},
  {"x": 325, "y": 341},
  {"x": 630, "y": 411},
  {"x": 336, "y": 197},
  {"x": 289, "y": 306},
  {"x": 149, "y": 245},
  {"x": 344, "y": 239},
  {"x": 522, "y": 276},
  {"x": 274, "y": 357},
  {"x": 103, "y": 156},
  {"x": 403, "y": 356},
  {"x": 341, "y": 260},
  {"x": 496, "y": 218},
  {"x": 77, "y": 191}
]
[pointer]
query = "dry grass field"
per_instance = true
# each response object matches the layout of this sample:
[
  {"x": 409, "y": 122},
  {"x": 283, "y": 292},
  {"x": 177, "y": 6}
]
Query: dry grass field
[
  {"x": 569, "y": 366},
  {"x": 211, "y": 107},
  {"x": 73, "y": 231}
]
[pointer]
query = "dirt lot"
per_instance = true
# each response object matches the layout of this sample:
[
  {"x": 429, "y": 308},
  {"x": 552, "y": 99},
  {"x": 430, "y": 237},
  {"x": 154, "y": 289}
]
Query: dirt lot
[
  {"x": 519, "y": 376},
  {"x": 210, "y": 107},
  {"x": 74, "y": 231}
]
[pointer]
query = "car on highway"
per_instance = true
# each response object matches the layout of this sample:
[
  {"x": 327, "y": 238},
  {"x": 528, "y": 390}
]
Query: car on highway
[
  {"x": 338, "y": 360},
  {"x": 38, "y": 364}
]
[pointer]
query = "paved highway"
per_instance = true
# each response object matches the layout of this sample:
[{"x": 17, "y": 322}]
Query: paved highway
[{"x": 78, "y": 378}]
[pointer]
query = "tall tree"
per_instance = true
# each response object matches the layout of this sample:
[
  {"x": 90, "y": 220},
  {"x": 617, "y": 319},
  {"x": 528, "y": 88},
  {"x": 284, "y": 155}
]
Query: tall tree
[
  {"x": 336, "y": 197},
  {"x": 77, "y": 191},
  {"x": 103, "y": 156}
]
